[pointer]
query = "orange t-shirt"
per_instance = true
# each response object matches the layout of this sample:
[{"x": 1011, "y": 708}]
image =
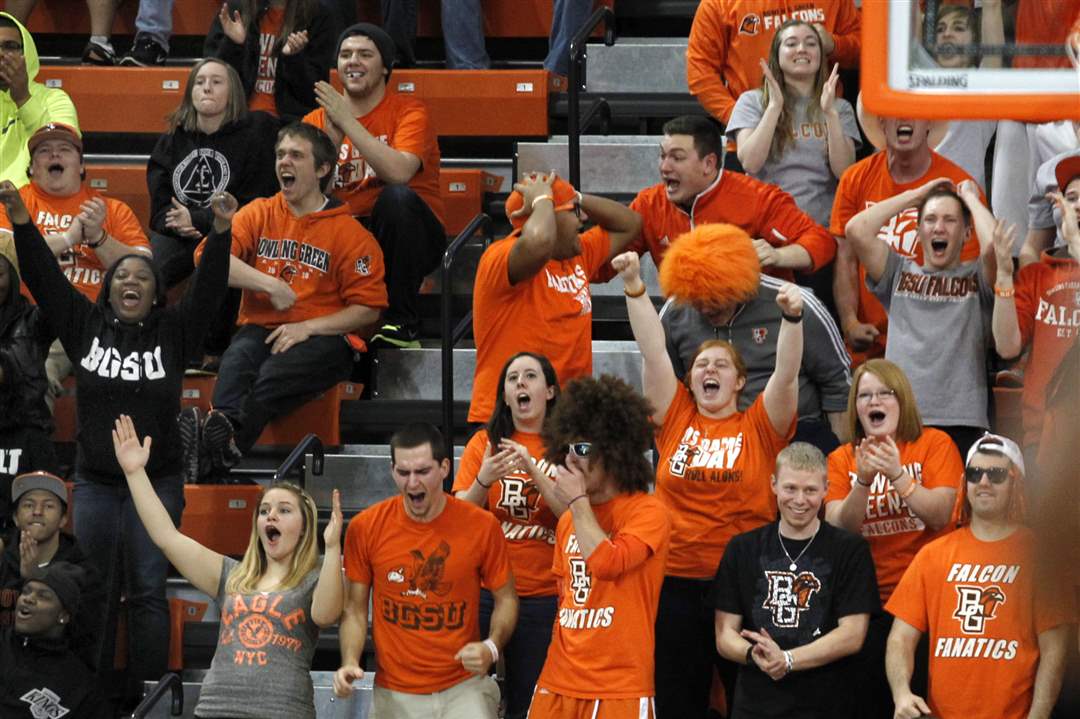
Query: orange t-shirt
[
  {"x": 549, "y": 313},
  {"x": 866, "y": 183},
  {"x": 262, "y": 95},
  {"x": 54, "y": 214},
  {"x": 425, "y": 580},
  {"x": 978, "y": 601},
  {"x": 714, "y": 475},
  {"x": 602, "y": 646},
  {"x": 728, "y": 38},
  {"x": 894, "y": 532},
  {"x": 402, "y": 123},
  {"x": 528, "y": 524},
  {"x": 327, "y": 257},
  {"x": 1039, "y": 22}
]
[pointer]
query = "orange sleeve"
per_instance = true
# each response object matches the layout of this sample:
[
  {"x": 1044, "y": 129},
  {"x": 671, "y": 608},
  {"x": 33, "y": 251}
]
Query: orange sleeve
[
  {"x": 615, "y": 557},
  {"x": 706, "y": 56},
  {"x": 360, "y": 271},
  {"x": 847, "y": 34},
  {"x": 492, "y": 274},
  {"x": 471, "y": 458},
  {"x": 605, "y": 271},
  {"x": 943, "y": 466},
  {"x": 841, "y": 464},
  {"x": 357, "y": 565},
  {"x": 595, "y": 248},
  {"x": 844, "y": 203},
  {"x": 121, "y": 223},
  {"x": 495, "y": 570},
  {"x": 411, "y": 131},
  {"x": 908, "y": 600},
  {"x": 316, "y": 117},
  {"x": 786, "y": 224}
]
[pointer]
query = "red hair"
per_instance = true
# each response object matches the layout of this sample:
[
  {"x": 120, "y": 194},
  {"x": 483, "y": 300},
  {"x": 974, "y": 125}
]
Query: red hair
[{"x": 712, "y": 265}]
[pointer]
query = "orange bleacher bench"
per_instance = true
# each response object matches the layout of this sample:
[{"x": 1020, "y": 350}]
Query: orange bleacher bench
[
  {"x": 119, "y": 99},
  {"x": 462, "y": 190}
]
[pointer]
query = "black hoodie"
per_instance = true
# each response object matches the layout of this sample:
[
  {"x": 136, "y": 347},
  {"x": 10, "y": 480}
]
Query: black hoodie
[
  {"x": 192, "y": 166},
  {"x": 24, "y": 345},
  {"x": 125, "y": 368},
  {"x": 86, "y": 630},
  {"x": 42, "y": 677},
  {"x": 294, "y": 81}
]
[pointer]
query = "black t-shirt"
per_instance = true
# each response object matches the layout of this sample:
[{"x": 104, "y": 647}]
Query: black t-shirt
[{"x": 834, "y": 578}]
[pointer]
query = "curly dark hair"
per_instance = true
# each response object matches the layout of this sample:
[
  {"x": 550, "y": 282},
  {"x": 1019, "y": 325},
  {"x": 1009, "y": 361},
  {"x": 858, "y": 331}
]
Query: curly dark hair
[{"x": 615, "y": 418}]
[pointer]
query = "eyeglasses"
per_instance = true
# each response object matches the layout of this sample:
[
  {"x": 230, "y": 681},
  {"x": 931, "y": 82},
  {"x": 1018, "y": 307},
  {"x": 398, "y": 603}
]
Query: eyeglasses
[
  {"x": 879, "y": 395},
  {"x": 581, "y": 449},
  {"x": 11, "y": 46},
  {"x": 997, "y": 475}
]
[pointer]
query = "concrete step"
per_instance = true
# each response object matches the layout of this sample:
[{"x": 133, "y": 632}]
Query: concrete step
[
  {"x": 416, "y": 374},
  {"x": 610, "y": 164},
  {"x": 637, "y": 65},
  {"x": 327, "y": 706}
]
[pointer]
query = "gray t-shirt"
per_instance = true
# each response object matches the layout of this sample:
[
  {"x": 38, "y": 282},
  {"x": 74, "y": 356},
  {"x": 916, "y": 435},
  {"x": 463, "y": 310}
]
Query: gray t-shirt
[
  {"x": 965, "y": 143},
  {"x": 939, "y": 334},
  {"x": 262, "y": 665},
  {"x": 803, "y": 172}
]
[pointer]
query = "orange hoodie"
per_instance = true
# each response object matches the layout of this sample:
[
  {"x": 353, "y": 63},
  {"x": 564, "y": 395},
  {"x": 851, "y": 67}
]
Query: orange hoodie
[
  {"x": 728, "y": 38},
  {"x": 328, "y": 258}
]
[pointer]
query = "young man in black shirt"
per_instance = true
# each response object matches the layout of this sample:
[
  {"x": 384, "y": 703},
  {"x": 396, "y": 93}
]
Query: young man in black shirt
[{"x": 793, "y": 600}]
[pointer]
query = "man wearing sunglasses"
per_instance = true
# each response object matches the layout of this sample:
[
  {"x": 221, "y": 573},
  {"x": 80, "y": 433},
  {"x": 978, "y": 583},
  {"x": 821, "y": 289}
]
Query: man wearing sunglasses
[{"x": 997, "y": 633}]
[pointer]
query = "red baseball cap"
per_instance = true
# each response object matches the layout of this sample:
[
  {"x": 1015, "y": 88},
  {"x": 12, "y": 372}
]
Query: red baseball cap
[
  {"x": 562, "y": 193},
  {"x": 1067, "y": 170},
  {"x": 55, "y": 131}
]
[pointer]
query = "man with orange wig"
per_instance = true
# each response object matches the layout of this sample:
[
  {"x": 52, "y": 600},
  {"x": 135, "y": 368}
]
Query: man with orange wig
[{"x": 997, "y": 633}]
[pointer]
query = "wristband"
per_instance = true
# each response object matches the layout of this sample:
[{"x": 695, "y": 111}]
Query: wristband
[
  {"x": 909, "y": 491},
  {"x": 493, "y": 649},
  {"x": 485, "y": 486},
  {"x": 749, "y": 656},
  {"x": 576, "y": 499},
  {"x": 1004, "y": 292},
  {"x": 790, "y": 661},
  {"x": 543, "y": 197},
  {"x": 793, "y": 319},
  {"x": 862, "y": 483},
  {"x": 639, "y": 293},
  {"x": 100, "y": 242}
]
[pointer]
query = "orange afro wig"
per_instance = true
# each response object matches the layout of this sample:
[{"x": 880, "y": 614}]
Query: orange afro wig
[{"x": 713, "y": 265}]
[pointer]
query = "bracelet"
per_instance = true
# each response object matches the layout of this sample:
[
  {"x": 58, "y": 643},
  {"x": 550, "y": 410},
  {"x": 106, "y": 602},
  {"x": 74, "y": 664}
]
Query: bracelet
[
  {"x": 910, "y": 490},
  {"x": 485, "y": 486},
  {"x": 790, "y": 661},
  {"x": 639, "y": 293},
  {"x": 543, "y": 197},
  {"x": 793, "y": 319},
  {"x": 1004, "y": 292},
  {"x": 100, "y": 242},
  {"x": 493, "y": 649},
  {"x": 862, "y": 483},
  {"x": 576, "y": 499},
  {"x": 749, "y": 656}
]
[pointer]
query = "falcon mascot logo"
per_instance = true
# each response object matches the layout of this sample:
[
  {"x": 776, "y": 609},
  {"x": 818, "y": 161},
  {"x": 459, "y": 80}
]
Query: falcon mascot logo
[{"x": 750, "y": 25}]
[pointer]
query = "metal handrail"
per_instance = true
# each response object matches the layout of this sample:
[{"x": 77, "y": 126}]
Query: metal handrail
[
  {"x": 170, "y": 682},
  {"x": 576, "y": 83},
  {"x": 310, "y": 443},
  {"x": 451, "y": 335}
]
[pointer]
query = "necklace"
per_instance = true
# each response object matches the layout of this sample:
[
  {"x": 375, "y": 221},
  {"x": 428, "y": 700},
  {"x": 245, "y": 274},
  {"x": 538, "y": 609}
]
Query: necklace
[{"x": 791, "y": 567}]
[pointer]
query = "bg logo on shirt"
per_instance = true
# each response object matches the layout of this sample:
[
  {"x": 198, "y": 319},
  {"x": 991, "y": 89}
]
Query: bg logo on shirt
[
  {"x": 426, "y": 573},
  {"x": 750, "y": 25},
  {"x": 975, "y": 606},
  {"x": 789, "y": 596},
  {"x": 44, "y": 704},
  {"x": 519, "y": 498}
]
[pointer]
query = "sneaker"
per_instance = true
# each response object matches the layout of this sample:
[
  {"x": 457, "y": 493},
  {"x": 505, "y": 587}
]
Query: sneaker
[
  {"x": 98, "y": 54},
  {"x": 218, "y": 438},
  {"x": 145, "y": 53},
  {"x": 401, "y": 336},
  {"x": 190, "y": 424}
]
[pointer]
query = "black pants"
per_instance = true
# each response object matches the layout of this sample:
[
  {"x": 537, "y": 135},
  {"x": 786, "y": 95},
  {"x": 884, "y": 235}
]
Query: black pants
[
  {"x": 255, "y": 386},
  {"x": 412, "y": 241},
  {"x": 399, "y": 22},
  {"x": 686, "y": 650},
  {"x": 875, "y": 697}
]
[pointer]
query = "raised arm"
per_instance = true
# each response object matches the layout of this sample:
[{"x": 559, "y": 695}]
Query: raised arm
[
  {"x": 753, "y": 143},
  {"x": 622, "y": 223},
  {"x": 841, "y": 147},
  {"x": 208, "y": 288},
  {"x": 534, "y": 246},
  {"x": 1004, "y": 324},
  {"x": 352, "y": 634},
  {"x": 992, "y": 32},
  {"x": 781, "y": 394},
  {"x": 329, "y": 594},
  {"x": 199, "y": 565},
  {"x": 658, "y": 379},
  {"x": 983, "y": 223},
  {"x": 899, "y": 665},
  {"x": 571, "y": 488}
]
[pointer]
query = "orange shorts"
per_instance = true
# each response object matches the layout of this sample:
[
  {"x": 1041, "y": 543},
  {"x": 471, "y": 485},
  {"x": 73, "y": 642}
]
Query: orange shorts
[{"x": 547, "y": 705}]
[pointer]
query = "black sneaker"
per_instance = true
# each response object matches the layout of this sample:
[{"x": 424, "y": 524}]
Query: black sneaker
[
  {"x": 401, "y": 336},
  {"x": 97, "y": 54},
  {"x": 145, "y": 53},
  {"x": 218, "y": 438},
  {"x": 190, "y": 424}
]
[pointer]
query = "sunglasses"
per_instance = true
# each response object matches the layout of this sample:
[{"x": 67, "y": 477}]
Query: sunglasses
[
  {"x": 997, "y": 475},
  {"x": 581, "y": 449}
]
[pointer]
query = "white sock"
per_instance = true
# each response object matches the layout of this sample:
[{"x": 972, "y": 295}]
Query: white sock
[{"x": 103, "y": 41}]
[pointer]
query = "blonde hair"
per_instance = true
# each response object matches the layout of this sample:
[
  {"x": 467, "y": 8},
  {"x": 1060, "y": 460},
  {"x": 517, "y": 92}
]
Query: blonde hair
[
  {"x": 909, "y": 427},
  {"x": 245, "y": 576}
]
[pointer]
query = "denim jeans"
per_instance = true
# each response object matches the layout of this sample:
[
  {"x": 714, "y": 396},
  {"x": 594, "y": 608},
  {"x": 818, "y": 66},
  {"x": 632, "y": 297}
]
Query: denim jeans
[
  {"x": 110, "y": 532},
  {"x": 155, "y": 19},
  {"x": 526, "y": 651},
  {"x": 567, "y": 18},
  {"x": 463, "y": 34}
]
